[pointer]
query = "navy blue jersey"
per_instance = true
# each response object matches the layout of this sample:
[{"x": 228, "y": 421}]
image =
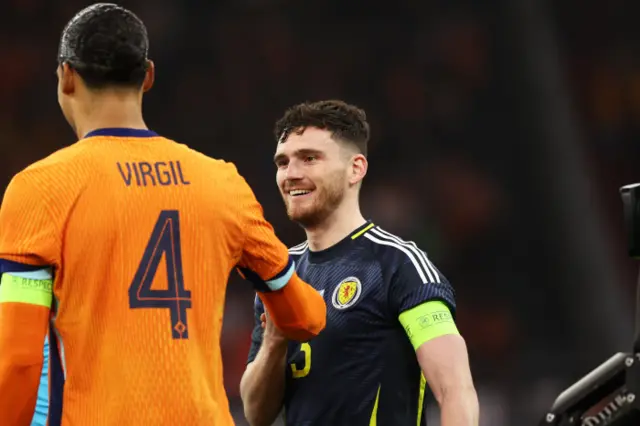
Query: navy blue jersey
[{"x": 362, "y": 366}]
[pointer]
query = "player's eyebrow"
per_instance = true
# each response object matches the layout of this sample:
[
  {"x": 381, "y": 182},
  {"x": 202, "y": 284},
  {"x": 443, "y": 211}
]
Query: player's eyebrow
[
  {"x": 307, "y": 151},
  {"x": 298, "y": 153},
  {"x": 278, "y": 157}
]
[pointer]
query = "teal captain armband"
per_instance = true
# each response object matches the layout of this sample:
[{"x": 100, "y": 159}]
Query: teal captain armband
[
  {"x": 280, "y": 280},
  {"x": 33, "y": 287},
  {"x": 274, "y": 284},
  {"x": 427, "y": 321}
]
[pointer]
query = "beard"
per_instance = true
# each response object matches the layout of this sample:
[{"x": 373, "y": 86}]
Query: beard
[{"x": 325, "y": 200}]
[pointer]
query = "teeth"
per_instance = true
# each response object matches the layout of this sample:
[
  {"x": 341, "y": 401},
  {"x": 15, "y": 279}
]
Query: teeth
[{"x": 298, "y": 192}]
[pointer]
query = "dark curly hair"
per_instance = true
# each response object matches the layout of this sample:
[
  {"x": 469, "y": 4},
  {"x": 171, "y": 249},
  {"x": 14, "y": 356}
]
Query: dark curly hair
[
  {"x": 107, "y": 45},
  {"x": 347, "y": 123}
]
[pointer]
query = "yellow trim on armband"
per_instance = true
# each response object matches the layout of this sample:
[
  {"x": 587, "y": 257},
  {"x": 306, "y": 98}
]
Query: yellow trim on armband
[
  {"x": 26, "y": 290},
  {"x": 427, "y": 321}
]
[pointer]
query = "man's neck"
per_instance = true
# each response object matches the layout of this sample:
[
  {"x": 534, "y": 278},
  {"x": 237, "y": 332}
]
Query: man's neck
[
  {"x": 111, "y": 114},
  {"x": 335, "y": 228}
]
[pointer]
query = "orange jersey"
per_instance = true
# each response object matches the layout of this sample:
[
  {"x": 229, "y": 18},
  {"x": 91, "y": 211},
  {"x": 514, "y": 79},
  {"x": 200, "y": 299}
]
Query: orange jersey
[{"x": 141, "y": 233}]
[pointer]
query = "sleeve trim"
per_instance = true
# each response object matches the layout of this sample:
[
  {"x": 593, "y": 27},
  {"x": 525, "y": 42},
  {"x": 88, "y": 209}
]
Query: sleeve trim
[
  {"x": 280, "y": 280},
  {"x": 12, "y": 266},
  {"x": 424, "y": 268}
]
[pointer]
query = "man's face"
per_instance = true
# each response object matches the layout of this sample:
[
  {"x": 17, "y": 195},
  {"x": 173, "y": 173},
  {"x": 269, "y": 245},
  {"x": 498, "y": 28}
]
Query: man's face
[{"x": 312, "y": 175}]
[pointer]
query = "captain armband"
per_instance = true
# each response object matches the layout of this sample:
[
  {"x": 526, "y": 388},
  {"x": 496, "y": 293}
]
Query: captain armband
[
  {"x": 33, "y": 287},
  {"x": 274, "y": 284},
  {"x": 427, "y": 321}
]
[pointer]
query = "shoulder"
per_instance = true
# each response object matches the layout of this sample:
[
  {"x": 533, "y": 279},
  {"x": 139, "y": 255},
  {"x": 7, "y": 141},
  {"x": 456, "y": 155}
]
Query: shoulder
[
  {"x": 46, "y": 179},
  {"x": 394, "y": 252},
  {"x": 390, "y": 247},
  {"x": 221, "y": 175},
  {"x": 212, "y": 164},
  {"x": 299, "y": 249},
  {"x": 225, "y": 173},
  {"x": 53, "y": 163},
  {"x": 220, "y": 163}
]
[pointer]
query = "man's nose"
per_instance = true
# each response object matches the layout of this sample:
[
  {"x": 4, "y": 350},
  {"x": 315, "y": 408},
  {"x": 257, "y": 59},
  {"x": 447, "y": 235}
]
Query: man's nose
[{"x": 294, "y": 171}]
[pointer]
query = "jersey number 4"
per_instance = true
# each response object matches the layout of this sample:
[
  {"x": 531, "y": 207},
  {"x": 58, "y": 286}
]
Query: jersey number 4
[{"x": 164, "y": 241}]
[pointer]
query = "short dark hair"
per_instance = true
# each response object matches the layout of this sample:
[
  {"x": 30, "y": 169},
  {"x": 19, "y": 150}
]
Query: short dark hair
[
  {"x": 347, "y": 123},
  {"x": 107, "y": 45}
]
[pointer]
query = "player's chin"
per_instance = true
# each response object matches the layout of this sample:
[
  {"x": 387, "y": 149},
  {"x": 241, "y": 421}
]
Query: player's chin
[
  {"x": 300, "y": 202},
  {"x": 301, "y": 214}
]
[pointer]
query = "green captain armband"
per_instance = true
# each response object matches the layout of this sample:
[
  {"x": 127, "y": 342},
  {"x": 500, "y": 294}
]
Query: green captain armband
[
  {"x": 427, "y": 321},
  {"x": 33, "y": 288}
]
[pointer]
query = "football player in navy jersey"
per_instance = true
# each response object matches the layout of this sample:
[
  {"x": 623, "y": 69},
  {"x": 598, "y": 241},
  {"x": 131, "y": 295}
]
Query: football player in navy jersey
[{"x": 390, "y": 312}]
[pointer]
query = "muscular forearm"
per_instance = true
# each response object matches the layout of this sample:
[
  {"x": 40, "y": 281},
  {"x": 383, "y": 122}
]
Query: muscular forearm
[
  {"x": 262, "y": 385},
  {"x": 460, "y": 408}
]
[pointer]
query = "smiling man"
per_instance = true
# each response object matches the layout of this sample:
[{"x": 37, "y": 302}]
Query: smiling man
[{"x": 390, "y": 312}]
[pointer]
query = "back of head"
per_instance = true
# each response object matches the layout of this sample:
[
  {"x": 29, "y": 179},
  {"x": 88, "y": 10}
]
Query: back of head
[
  {"x": 107, "y": 46},
  {"x": 346, "y": 123}
]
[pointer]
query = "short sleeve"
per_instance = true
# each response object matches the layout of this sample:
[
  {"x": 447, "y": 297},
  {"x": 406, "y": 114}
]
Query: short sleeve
[
  {"x": 28, "y": 233},
  {"x": 265, "y": 259},
  {"x": 256, "y": 334},
  {"x": 417, "y": 281}
]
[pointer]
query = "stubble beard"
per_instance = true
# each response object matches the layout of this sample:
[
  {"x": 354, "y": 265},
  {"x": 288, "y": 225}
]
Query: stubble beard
[{"x": 327, "y": 199}]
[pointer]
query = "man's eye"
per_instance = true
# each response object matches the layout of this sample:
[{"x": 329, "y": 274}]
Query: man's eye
[{"x": 310, "y": 158}]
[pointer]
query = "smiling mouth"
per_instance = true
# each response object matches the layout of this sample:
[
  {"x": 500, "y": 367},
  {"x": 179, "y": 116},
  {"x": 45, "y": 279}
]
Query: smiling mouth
[{"x": 299, "y": 192}]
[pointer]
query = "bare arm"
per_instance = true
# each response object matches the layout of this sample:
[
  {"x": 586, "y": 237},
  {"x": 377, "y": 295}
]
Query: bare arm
[
  {"x": 262, "y": 384},
  {"x": 424, "y": 301},
  {"x": 445, "y": 364}
]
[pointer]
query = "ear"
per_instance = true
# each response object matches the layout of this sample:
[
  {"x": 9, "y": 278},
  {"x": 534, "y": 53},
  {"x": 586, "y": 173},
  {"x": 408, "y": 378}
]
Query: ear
[
  {"x": 67, "y": 79},
  {"x": 150, "y": 76},
  {"x": 359, "y": 167}
]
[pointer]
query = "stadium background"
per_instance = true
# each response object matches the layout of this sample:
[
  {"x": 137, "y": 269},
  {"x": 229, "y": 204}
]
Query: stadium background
[{"x": 502, "y": 130}]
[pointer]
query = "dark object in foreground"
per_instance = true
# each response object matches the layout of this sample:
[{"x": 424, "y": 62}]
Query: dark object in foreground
[{"x": 608, "y": 396}]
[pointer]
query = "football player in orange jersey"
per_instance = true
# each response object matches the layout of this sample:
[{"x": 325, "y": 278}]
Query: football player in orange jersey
[{"x": 120, "y": 247}]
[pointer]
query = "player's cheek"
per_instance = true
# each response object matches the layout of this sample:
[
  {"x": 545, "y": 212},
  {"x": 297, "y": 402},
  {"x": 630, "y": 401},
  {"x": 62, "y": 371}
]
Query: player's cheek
[{"x": 280, "y": 178}]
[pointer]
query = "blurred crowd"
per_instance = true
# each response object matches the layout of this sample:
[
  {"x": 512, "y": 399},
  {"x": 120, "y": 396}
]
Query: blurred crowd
[{"x": 445, "y": 164}]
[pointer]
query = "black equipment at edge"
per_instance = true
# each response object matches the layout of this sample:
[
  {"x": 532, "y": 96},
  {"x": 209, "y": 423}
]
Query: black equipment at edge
[{"x": 609, "y": 395}]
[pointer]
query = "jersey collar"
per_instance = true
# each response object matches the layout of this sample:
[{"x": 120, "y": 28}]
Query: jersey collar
[
  {"x": 338, "y": 249},
  {"x": 122, "y": 132}
]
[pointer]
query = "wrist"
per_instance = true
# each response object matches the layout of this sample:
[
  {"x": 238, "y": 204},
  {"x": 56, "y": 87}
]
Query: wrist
[{"x": 276, "y": 346}]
